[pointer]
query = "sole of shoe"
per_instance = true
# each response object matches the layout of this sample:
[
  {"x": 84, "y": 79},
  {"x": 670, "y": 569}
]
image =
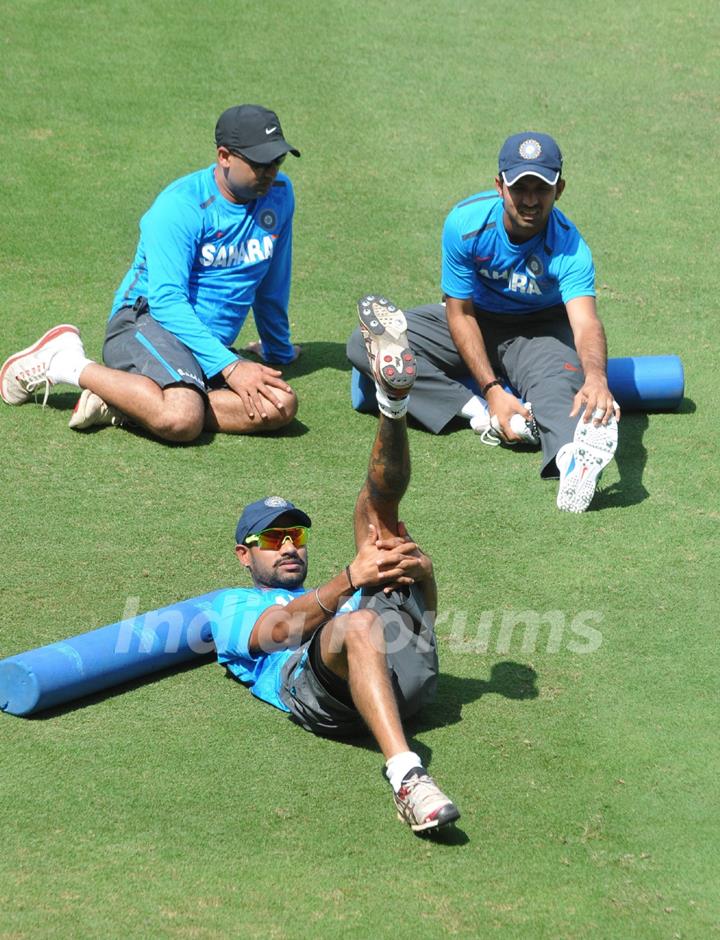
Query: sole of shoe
[
  {"x": 594, "y": 448},
  {"x": 44, "y": 339},
  {"x": 384, "y": 329}
]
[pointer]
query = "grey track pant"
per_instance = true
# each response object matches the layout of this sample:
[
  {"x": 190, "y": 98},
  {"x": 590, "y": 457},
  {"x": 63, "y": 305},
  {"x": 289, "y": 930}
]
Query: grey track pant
[{"x": 536, "y": 353}]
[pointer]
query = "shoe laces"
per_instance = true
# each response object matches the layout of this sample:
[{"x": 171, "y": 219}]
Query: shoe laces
[
  {"x": 420, "y": 789},
  {"x": 33, "y": 378},
  {"x": 484, "y": 429},
  {"x": 490, "y": 437}
]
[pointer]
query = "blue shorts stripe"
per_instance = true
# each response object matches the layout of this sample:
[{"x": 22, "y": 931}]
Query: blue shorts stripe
[{"x": 151, "y": 349}]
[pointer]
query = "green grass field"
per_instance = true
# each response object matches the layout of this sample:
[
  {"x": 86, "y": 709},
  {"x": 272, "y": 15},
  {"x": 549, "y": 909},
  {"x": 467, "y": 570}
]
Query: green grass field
[{"x": 587, "y": 777}]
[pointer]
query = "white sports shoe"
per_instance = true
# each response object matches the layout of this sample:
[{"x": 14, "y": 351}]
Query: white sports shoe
[
  {"x": 421, "y": 803},
  {"x": 489, "y": 428},
  {"x": 581, "y": 463},
  {"x": 92, "y": 411},
  {"x": 26, "y": 371}
]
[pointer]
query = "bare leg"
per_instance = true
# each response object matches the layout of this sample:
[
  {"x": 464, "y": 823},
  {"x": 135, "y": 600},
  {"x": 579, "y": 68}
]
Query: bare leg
[
  {"x": 179, "y": 413},
  {"x": 353, "y": 647},
  {"x": 387, "y": 480},
  {"x": 226, "y": 413},
  {"x": 173, "y": 414}
]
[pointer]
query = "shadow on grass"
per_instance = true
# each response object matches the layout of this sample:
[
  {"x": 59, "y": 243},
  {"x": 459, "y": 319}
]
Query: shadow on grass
[
  {"x": 63, "y": 401},
  {"x": 319, "y": 354},
  {"x": 509, "y": 679},
  {"x": 687, "y": 407},
  {"x": 630, "y": 457},
  {"x": 296, "y": 428}
]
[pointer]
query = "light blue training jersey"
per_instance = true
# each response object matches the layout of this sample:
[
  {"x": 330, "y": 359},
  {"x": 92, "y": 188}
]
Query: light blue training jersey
[
  {"x": 203, "y": 261},
  {"x": 480, "y": 261},
  {"x": 235, "y": 613}
]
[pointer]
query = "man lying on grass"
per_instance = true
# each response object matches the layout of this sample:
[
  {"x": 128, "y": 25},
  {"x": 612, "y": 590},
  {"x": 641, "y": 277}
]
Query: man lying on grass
[{"x": 357, "y": 652}]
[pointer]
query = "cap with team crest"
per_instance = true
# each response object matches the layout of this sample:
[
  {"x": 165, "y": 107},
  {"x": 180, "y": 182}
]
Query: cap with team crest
[
  {"x": 530, "y": 154},
  {"x": 262, "y": 513},
  {"x": 254, "y": 132}
]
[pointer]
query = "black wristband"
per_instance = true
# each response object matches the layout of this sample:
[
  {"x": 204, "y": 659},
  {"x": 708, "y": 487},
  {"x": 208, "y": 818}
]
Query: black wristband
[
  {"x": 486, "y": 388},
  {"x": 347, "y": 572}
]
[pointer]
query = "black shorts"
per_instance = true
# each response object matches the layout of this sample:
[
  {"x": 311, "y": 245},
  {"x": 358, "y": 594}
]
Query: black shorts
[
  {"x": 412, "y": 660},
  {"x": 135, "y": 342}
]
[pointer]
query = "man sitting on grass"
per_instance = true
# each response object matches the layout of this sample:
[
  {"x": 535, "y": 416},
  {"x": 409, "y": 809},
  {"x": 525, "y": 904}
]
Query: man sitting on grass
[
  {"x": 212, "y": 245},
  {"x": 358, "y": 652},
  {"x": 519, "y": 308}
]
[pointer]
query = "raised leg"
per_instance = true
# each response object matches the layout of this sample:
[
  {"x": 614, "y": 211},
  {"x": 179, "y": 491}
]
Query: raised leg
[{"x": 437, "y": 396}]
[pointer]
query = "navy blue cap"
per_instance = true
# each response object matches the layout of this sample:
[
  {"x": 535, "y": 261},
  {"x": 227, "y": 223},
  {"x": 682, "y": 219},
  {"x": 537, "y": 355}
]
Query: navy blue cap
[
  {"x": 254, "y": 132},
  {"x": 262, "y": 513},
  {"x": 530, "y": 154}
]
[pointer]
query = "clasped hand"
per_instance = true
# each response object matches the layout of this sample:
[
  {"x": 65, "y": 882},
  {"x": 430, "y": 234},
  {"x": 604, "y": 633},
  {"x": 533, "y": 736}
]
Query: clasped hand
[
  {"x": 254, "y": 384},
  {"x": 389, "y": 562}
]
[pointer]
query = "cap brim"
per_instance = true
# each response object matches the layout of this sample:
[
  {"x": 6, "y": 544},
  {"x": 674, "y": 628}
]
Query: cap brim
[
  {"x": 528, "y": 169},
  {"x": 268, "y": 151}
]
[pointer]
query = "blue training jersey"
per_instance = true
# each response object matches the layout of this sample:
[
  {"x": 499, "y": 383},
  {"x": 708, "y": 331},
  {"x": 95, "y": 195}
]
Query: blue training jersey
[
  {"x": 203, "y": 261},
  {"x": 480, "y": 261},
  {"x": 235, "y": 613}
]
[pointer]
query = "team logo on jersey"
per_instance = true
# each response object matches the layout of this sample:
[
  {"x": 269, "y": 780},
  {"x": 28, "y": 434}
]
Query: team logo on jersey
[
  {"x": 535, "y": 266},
  {"x": 268, "y": 219},
  {"x": 530, "y": 149},
  {"x": 275, "y": 502}
]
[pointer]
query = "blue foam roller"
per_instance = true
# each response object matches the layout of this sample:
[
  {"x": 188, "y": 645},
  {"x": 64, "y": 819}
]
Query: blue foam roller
[
  {"x": 362, "y": 392},
  {"x": 69, "y": 669},
  {"x": 647, "y": 383},
  {"x": 639, "y": 383}
]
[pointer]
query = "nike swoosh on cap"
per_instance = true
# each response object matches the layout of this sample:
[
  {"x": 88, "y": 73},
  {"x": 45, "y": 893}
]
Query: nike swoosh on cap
[{"x": 269, "y": 130}]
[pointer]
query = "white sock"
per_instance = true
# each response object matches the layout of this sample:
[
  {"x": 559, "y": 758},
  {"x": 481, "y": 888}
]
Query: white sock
[
  {"x": 390, "y": 407},
  {"x": 399, "y": 765},
  {"x": 473, "y": 408},
  {"x": 65, "y": 367}
]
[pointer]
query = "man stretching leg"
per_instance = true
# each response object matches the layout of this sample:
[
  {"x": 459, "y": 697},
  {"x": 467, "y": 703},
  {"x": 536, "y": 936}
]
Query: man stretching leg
[{"x": 358, "y": 652}]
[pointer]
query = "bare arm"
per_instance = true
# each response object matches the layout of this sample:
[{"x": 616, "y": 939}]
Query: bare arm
[
  {"x": 469, "y": 342},
  {"x": 591, "y": 346}
]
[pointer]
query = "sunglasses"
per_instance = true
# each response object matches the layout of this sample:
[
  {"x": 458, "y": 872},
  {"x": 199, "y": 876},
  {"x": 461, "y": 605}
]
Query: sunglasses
[
  {"x": 274, "y": 539},
  {"x": 259, "y": 167}
]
